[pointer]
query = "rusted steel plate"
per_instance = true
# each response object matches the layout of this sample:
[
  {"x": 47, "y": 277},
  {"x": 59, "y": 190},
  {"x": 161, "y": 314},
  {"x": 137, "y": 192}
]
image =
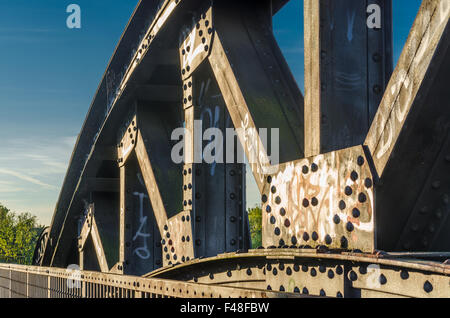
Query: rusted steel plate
[
  {"x": 401, "y": 92},
  {"x": 197, "y": 39},
  {"x": 258, "y": 90},
  {"x": 312, "y": 77},
  {"x": 326, "y": 200},
  {"x": 128, "y": 142},
  {"x": 177, "y": 240},
  {"x": 307, "y": 278},
  {"x": 401, "y": 282},
  {"x": 348, "y": 62}
]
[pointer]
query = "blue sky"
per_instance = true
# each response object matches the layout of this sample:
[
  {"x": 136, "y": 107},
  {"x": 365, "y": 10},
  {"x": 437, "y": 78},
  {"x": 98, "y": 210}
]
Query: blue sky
[{"x": 49, "y": 75}]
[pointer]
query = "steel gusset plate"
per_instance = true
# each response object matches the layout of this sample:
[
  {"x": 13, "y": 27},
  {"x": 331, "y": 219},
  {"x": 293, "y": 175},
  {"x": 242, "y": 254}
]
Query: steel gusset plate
[{"x": 326, "y": 200}]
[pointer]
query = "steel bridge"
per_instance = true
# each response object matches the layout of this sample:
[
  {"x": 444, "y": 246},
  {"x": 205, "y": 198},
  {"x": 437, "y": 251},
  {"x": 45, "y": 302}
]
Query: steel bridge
[{"x": 357, "y": 207}]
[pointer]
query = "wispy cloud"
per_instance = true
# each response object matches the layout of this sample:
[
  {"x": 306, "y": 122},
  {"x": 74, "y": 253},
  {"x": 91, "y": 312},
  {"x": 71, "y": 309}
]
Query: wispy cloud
[
  {"x": 32, "y": 170},
  {"x": 26, "y": 178}
]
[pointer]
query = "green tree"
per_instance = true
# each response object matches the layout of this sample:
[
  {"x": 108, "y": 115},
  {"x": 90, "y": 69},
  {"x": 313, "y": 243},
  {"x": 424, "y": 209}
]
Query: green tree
[
  {"x": 18, "y": 236},
  {"x": 255, "y": 220}
]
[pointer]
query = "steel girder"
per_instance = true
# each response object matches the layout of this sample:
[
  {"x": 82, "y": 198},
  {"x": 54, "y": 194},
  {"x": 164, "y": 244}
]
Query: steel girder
[
  {"x": 313, "y": 273},
  {"x": 227, "y": 67}
]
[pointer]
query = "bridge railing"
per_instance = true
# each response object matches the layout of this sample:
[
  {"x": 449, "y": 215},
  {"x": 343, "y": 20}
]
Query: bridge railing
[{"x": 18, "y": 281}]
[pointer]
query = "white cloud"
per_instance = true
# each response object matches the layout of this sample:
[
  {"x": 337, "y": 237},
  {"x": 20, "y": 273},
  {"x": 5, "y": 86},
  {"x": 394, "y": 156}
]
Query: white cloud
[
  {"x": 26, "y": 178},
  {"x": 31, "y": 173}
]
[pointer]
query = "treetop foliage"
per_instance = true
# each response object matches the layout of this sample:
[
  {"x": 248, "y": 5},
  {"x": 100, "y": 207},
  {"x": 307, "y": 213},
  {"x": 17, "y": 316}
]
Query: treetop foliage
[{"x": 18, "y": 236}]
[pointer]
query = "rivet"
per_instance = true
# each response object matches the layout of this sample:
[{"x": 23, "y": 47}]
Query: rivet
[
  {"x": 249, "y": 272},
  {"x": 339, "y": 270},
  {"x": 322, "y": 293},
  {"x": 352, "y": 276},
  {"x": 294, "y": 240},
  {"x": 264, "y": 198},
  {"x": 269, "y": 179},
  {"x": 314, "y": 201},
  {"x": 305, "y": 236},
  {"x": 305, "y": 169},
  {"x": 277, "y": 200},
  {"x": 273, "y": 189},
  {"x": 232, "y": 219},
  {"x": 344, "y": 242},
  {"x": 315, "y": 236},
  {"x": 356, "y": 213},
  {"x": 282, "y": 212},
  {"x": 272, "y": 220},
  {"x": 368, "y": 183},
  {"x": 275, "y": 271},
  {"x": 445, "y": 199},
  {"x": 348, "y": 190},
  {"x": 376, "y": 57},
  {"x": 360, "y": 160},
  {"x": 336, "y": 219},
  {"x": 362, "y": 197},
  {"x": 277, "y": 231},
  {"x": 305, "y": 203},
  {"x": 436, "y": 185},
  {"x": 305, "y": 291},
  {"x": 363, "y": 270},
  {"x": 342, "y": 205},
  {"x": 354, "y": 176},
  {"x": 423, "y": 210},
  {"x": 287, "y": 223},
  {"x": 404, "y": 274},
  {"x": 377, "y": 89},
  {"x": 314, "y": 167},
  {"x": 268, "y": 209},
  {"x": 350, "y": 226},
  {"x": 328, "y": 239},
  {"x": 428, "y": 287},
  {"x": 382, "y": 279},
  {"x": 313, "y": 272}
]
